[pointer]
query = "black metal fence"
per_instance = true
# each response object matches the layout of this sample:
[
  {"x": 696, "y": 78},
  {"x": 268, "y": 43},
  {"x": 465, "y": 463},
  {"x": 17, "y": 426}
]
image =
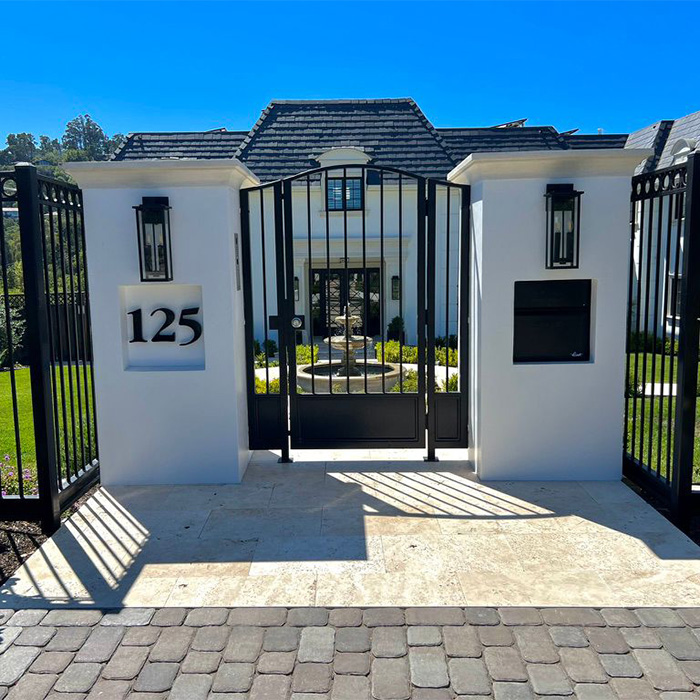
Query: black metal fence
[
  {"x": 76, "y": 304},
  {"x": 662, "y": 337},
  {"x": 47, "y": 399}
]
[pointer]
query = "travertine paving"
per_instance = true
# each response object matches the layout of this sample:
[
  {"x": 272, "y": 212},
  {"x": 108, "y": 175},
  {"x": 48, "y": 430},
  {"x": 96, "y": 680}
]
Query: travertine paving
[
  {"x": 366, "y": 532},
  {"x": 351, "y": 654}
]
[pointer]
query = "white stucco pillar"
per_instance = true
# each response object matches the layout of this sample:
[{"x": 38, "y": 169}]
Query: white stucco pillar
[
  {"x": 547, "y": 420},
  {"x": 167, "y": 413}
]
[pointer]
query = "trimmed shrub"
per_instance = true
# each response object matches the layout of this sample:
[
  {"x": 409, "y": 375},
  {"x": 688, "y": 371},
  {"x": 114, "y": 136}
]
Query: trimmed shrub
[
  {"x": 393, "y": 352},
  {"x": 445, "y": 356},
  {"x": 452, "y": 384},
  {"x": 304, "y": 354},
  {"x": 646, "y": 342},
  {"x": 18, "y": 328},
  {"x": 450, "y": 342},
  {"x": 395, "y": 329},
  {"x": 409, "y": 353},
  {"x": 410, "y": 383},
  {"x": 270, "y": 347},
  {"x": 261, "y": 386},
  {"x": 261, "y": 358}
]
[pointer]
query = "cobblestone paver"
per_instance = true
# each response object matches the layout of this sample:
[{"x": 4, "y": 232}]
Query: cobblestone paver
[{"x": 351, "y": 654}]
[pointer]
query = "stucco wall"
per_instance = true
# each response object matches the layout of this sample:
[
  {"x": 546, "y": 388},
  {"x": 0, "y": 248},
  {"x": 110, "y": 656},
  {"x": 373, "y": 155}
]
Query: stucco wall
[
  {"x": 180, "y": 425},
  {"x": 547, "y": 420}
]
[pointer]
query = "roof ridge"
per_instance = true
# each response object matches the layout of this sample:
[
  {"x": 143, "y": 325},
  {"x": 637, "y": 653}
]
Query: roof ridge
[
  {"x": 660, "y": 141},
  {"x": 203, "y": 131},
  {"x": 549, "y": 129},
  {"x": 349, "y": 101},
  {"x": 243, "y": 145},
  {"x": 433, "y": 131},
  {"x": 121, "y": 145}
]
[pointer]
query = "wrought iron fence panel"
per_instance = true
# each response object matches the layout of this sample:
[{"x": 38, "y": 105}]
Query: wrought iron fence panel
[
  {"x": 661, "y": 358},
  {"x": 46, "y": 348}
]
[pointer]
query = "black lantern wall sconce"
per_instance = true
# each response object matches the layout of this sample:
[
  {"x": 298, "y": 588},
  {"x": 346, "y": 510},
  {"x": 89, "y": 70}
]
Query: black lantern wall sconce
[
  {"x": 395, "y": 288},
  {"x": 153, "y": 229},
  {"x": 563, "y": 226}
]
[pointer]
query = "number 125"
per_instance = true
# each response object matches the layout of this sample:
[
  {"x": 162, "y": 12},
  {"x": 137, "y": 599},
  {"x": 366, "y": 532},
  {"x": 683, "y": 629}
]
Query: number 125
[{"x": 161, "y": 335}]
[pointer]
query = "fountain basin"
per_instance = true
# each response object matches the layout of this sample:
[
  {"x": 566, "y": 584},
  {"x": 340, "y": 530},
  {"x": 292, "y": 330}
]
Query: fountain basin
[{"x": 375, "y": 371}]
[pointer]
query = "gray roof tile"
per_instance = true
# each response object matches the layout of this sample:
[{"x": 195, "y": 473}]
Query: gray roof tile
[{"x": 291, "y": 134}]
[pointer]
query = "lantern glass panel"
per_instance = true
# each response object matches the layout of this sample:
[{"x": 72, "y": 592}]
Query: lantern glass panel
[
  {"x": 153, "y": 222},
  {"x": 562, "y": 226}
]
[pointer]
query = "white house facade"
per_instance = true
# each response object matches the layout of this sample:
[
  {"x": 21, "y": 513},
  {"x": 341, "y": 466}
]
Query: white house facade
[{"x": 505, "y": 314}]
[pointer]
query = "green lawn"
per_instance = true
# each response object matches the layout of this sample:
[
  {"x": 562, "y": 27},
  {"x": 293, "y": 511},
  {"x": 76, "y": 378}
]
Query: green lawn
[
  {"x": 653, "y": 367},
  {"x": 8, "y": 447},
  {"x": 658, "y": 369},
  {"x": 663, "y": 411}
]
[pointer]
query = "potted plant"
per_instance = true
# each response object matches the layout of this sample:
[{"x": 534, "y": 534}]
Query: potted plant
[{"x": 395, "y": 329}]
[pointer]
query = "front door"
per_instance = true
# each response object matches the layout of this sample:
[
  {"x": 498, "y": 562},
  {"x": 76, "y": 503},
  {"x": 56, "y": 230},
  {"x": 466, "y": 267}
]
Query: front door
[{"x": 334, "y": 290}]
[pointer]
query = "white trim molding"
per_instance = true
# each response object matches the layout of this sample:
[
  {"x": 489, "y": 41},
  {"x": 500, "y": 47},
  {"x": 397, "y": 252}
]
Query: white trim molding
[
  {"x": 508, "y": 165},
  {"x": 159, "y": 173}
]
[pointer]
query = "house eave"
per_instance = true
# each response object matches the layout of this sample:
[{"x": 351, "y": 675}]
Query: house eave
[
  {"x": 157, "y": 173},
  {"x": 506, "y": 165}
]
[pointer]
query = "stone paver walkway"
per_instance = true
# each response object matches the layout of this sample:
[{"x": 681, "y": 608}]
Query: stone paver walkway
[
  {"x": 350, "y": 531},
  {"x": 350, "y": 654}
]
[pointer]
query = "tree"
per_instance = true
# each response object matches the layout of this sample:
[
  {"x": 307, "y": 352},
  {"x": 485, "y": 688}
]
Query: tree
[
  {"x": 85, "y": 135},
  {"x": 21, "y": 148},
  {"x": 84, "y": 139}
]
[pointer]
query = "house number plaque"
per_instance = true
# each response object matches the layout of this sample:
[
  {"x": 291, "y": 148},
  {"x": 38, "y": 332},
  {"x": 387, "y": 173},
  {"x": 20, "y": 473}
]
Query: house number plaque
[{"x": 162, "y": 327}]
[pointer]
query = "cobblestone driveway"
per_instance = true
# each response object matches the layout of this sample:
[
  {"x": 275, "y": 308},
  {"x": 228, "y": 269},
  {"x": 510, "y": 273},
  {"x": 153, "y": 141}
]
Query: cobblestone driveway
[{"x": 351, "y": 654}]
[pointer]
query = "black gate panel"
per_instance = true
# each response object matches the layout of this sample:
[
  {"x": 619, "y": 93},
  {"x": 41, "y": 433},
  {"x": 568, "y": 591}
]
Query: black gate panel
[
  {"x": 663, "y": 327},
  {"x": 351, "y": 421},
  {"x": 50, "y": 452},
  {"x": 388, "y": 248},
  {"x": 447, "y": 319}
]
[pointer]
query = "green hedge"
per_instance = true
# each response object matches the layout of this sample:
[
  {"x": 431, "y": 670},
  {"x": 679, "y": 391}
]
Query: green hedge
[
  {"x": 646, "y": 342},
  {"x": 18, "y": 327},
  {"x": 304, "y": 354},
  {"x": 393, "y": 352},
  {"x": 410, "y": 383},
  {"x": 261, "y": 386},
  {"x": 303, "y": 357}
]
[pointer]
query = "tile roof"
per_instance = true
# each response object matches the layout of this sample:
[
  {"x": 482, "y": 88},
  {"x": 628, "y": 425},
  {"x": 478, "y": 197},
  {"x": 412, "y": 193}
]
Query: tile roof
[
  {"x": 462, "y": 142},
  {"x": 687, "y": 127},
  {"x": 662, "y": 137},
  {"x": 583, "y": 141},
  {"x": 291, "y": 134},
  {"x": 180, "y": 144}
]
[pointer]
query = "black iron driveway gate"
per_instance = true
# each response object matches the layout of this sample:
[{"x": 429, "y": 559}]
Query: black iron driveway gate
[
  {"x": 351, "y": 221},
  {"x": 47, "y": 396}
]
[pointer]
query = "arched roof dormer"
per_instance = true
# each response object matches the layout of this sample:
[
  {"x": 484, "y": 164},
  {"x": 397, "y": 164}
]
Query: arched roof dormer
[
  {"x": 343, "y": 155},
  {"x": 681, "y": 149}
]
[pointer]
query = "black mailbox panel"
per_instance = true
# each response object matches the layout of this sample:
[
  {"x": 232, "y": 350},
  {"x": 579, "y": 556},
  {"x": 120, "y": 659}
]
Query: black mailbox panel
[{"x": 552, "y": 321}]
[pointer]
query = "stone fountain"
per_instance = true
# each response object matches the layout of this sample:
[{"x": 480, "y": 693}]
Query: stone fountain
[{"x": 349, "y": 371}]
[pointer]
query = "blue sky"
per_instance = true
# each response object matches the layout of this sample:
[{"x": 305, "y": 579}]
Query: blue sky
[{"x": 188, "y": 66}]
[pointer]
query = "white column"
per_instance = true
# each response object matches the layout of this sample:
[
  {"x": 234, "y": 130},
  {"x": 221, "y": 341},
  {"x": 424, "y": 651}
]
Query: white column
[
  {"x": 167, "y": 414},
  {"x": 547, "y": 420}
]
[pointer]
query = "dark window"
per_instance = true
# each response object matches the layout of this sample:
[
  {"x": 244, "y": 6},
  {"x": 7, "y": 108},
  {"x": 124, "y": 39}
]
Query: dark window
[
  {"x": 673, "y": 297},
  {"x": 344, "y": 193}
]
